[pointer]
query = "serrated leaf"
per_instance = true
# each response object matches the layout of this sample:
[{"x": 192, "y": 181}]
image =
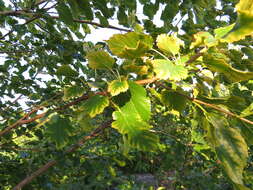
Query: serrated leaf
[
  {"x": 203, "y": 38},
  {"x": 66, "y": 70},
  {"x": 84, "y": 122},
  {"x": 169, "y": 43},
  {"x": 134, "y": 114},
  {"x": 230, "y": 147},
  {"x": 130, "y": 45},
  {"x": 72, "y": 91},
  {"x": 165, "y": 69},
  {"x": 174, "y": 100},
  {"x": 218, "y": 62},
  {"x": 95, "y": 105},
  {"x": 117, "y": 86},
  {"x": 144, "y": 140},
  {"x": 244, "y": 22},
  {"x": 100, "y": 60},
  {"x": 132, "y": 120},
  {"x": 59, "y": 130}
]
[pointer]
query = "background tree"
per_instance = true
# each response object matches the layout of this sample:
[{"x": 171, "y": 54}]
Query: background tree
[{"x": 173, "y": 100}]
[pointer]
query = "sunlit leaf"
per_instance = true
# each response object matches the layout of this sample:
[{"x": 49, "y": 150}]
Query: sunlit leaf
[
  {"x": 135, "y": 113},
  {"x": 95, "y": 105},
  {"x": 132, "y": 120},
  {"x": 117, "y": 86},
  {"x": 244, "y": 22},
  {"x": 222, "y": 31},
  {"x": 203, "y": 39},
  {"x": 130, "y": 45},
  {"x": 166, "y": 69},
  {"x": 169, "y": 44},
  {"x": 100, "y": 60}
]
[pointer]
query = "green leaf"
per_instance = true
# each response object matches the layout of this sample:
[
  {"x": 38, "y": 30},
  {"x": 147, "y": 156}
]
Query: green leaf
[
  {"x": 218, "y": 62},
  {"x": 165, "y": 69},
  {"x": 130, "y": 45},
  {"x": 72, "y": 91},
  {"x": 174, "y": 100},
  {"x": 169, "y": 43},
  {"x": 95, "y": 105},
  {"x": 135, "y": 113},
  {"x": 117, "y": 86},
  {"x": 64, "y": 13},
  {"x": 59, "y": 130},
  {"x": 66, "y": 70},
  {"x": 230, "y": 147},
  {"x": 133, "y": 116},
  {"x": 222, "y": 31},
  {"x": 244, "y": 23},
  {"x": 144, "y": 140},
  {"x": 100, "y": 60},
  {"x": 85, "y": 8}
]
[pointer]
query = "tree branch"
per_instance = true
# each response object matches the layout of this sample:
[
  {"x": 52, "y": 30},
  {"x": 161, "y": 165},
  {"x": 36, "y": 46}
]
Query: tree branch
[
  {"x": 96, "y": 24},
  {"x": 209, "y": 105},
  {"x": 50, "y": 164}
]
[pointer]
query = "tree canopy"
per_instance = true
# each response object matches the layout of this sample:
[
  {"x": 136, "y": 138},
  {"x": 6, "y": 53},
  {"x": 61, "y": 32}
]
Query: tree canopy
[{"x": 174, "y": 100}]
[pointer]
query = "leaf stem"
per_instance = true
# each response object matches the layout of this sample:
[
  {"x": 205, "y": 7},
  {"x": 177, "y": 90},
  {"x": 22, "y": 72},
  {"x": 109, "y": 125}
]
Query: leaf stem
[{"x": 158, "y": 52}]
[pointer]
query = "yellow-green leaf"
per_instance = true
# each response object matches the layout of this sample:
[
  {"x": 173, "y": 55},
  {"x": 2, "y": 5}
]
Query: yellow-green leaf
[
  {"x": 244, "y": 22},
  {"x": 166, "y": 69},
  {"x": 95, "y": 105},
  {"x": 100, "y": 60},
  {"x": 130, "y": 45},
  {"x": 135, "y": 113},
  {"x": 117, "y": 86},
  {"x": 203, "y": 38},
  {"x": 169, "y": 43}
]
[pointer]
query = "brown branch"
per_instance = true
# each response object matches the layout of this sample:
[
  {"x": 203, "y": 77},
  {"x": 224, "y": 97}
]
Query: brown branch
[
  {"x": 210, "y": 105},
  {"x": 221, "y": 110},
  {"x": 19, "y": 122},
  {"x": 194, "y": 57},
  {"x": 50, "y": 164}
]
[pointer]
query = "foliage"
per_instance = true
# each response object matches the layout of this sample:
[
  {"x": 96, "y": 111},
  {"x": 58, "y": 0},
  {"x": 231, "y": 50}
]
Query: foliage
[{"x": 173, "y": 102}]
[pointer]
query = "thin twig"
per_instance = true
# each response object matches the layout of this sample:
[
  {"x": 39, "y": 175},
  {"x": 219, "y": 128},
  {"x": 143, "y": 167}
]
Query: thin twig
[{"x": 96, "y": 24}]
